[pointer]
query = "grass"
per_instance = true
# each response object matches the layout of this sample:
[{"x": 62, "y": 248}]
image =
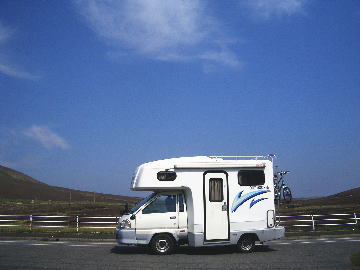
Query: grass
[
  {"x": 324, "y": 228},
  {"x": 355, "y": 259},
  {"x": 299, "y": 209},
  {"x": 52, "y": 231},
  {"x": 81, "y": 208}
]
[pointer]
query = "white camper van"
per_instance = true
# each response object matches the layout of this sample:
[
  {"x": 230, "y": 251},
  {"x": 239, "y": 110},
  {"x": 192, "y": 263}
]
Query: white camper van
[{"x": 202, "y": 201}]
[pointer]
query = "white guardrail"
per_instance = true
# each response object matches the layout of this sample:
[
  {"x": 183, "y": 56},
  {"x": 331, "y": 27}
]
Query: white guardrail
[
  {"x": 319, "y": 220},
  {"x": 60, "y": 222},
  {"x": 109, "y": 223}
]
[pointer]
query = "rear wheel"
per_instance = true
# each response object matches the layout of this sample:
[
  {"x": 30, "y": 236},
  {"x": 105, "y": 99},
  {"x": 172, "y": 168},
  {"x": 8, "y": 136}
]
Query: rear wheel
[
  {"x": 246, "y": 243},
  {"x": 276, "y": 195},
  {"x": 162, "y": 244},
  {"x": 287, "y": 194}
]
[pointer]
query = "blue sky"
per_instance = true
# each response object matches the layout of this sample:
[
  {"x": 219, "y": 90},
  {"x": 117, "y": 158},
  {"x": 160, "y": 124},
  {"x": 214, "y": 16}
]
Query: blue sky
[{"x": 91, "y": 89}]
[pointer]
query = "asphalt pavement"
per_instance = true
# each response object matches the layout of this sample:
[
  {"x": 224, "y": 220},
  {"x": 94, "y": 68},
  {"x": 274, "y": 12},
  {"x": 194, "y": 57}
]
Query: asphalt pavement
[{"x": 317, "y": 253}]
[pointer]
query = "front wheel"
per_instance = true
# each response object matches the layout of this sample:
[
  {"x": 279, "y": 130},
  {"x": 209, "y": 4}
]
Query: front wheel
[
  {"x": 246, "y": 244},
  {"x": 162, "y": 244},
  {"x": 287, "y": 194}
]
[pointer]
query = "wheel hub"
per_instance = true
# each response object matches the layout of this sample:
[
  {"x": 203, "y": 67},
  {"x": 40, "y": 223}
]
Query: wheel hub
[
  {"x": 246, "y": 245},
  {"x": 162, "y": 245}
]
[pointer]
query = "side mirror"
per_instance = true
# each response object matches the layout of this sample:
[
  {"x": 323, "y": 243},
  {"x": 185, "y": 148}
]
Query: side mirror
[{"x": 132, "y": 217}]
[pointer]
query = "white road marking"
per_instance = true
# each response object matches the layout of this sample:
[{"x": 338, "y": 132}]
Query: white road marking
[
  {"x": 81, "y": 245},
  {"x": 330, "y": 241},
  {"x": 104, "y": 243},
  {"x": 39, "y": 244},
  {"x": 8, "y": 241},
  {"x": 354, "y": 240},
  {"x": 306, "y": 242},
  {"x": 284, "y": 243}
]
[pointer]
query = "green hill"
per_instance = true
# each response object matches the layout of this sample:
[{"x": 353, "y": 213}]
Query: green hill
[{"x": 19, "y": 186}]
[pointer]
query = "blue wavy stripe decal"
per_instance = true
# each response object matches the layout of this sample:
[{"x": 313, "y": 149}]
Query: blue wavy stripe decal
[
  {"x": 253, "y": 202},
  {"x": 241, "y": 199}
]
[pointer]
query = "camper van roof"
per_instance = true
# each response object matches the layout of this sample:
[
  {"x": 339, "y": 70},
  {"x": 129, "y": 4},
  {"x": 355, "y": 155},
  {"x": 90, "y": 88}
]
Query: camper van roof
[{"x": 209, "y": 161}]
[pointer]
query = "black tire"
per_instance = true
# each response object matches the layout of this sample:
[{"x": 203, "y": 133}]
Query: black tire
[
  {"x": 287, "y": 194},
  {"x": 276, "y": 196},
  {"x": 246, "y": 243},
  {"x": 162, "y": 244}
]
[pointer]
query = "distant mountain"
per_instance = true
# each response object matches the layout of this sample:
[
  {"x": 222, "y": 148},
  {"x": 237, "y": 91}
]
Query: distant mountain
[
  {"x": 17, "y": 185},
  {"x": 349, "y": 197}
]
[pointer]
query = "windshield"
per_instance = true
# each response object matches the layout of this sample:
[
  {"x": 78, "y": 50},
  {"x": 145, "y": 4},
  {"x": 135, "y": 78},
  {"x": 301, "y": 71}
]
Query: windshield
[{"x": 141, "y": 203}]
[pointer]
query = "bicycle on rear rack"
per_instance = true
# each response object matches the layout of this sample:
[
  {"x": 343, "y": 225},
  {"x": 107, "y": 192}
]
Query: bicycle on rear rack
[{"x": 281, "y": 190}]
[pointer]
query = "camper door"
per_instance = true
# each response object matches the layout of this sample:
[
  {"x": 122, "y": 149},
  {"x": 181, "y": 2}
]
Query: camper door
[{"x": 216, "y": 206}]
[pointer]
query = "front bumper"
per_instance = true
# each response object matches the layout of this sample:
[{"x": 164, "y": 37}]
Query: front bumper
[{"x": 125, "y": 236}]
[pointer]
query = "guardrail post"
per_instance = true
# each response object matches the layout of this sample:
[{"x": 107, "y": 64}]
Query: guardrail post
[
  {"x": 313, "y": 222},
  {"x": 77, "y": 223},
  {"x": 31, "y": 218},
  {"x": 356, "y": 222}
]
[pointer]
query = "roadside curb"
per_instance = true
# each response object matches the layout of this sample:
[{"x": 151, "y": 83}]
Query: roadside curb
[
  {"x": 328, "y": 234},
  {"x": 57, "y": 237}
]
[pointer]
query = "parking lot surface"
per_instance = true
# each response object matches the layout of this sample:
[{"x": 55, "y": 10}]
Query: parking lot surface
[{"x": 321, "y": 253}]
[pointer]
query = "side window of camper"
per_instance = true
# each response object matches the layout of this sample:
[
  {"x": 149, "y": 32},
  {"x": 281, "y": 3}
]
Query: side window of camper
[
  {"x": 251, "y": 177},
  {"x": 181, "y": 203},
  {"x": 216, "y": 190},
  {"x": 166, "y": 176},
  {"x": 162, "y": 204}
]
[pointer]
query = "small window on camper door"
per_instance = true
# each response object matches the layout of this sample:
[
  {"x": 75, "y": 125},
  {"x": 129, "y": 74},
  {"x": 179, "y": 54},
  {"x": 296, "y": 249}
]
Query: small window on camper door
[
  {"x": 251, "y": 177},
  {"x": 216, "y": 190}
]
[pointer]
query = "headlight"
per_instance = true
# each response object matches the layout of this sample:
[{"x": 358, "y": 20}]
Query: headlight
[{"x": 125, "y": 224}]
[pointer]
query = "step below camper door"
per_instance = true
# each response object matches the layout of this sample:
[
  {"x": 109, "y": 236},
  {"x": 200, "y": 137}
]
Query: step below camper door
[{"x": 216, "y": 208}]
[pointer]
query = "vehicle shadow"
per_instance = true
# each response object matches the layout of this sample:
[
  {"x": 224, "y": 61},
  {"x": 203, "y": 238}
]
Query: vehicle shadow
[
  {"x": 130, "y": 250},
  {"x": 218, "y": 250},
  {"x": 125, "y": 250}
]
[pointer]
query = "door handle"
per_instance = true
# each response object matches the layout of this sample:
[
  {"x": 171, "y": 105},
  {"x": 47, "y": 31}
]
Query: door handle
[{"x": 173, "y": 217}]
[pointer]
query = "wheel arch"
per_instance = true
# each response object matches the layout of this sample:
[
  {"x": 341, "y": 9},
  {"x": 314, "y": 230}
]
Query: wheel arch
[
  {"x": 254, "y": 235},
  {"x": 174, "y": 238}
]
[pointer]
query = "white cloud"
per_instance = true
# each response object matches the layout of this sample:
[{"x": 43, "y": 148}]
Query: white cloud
[
  {"x": 5, "y": 33},
  {"x": 46, "y": 137},
  {"x": 269, "y": 8},
  {"x": 6, "y": 67},
  {"x": 225, "y": 56},
  {"x": 163, "y": 30},
  {"x": 14, "y": 72}
]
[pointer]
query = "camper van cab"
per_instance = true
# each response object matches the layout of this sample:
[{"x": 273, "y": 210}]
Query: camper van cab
[{"x": 202, "y": 201}]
